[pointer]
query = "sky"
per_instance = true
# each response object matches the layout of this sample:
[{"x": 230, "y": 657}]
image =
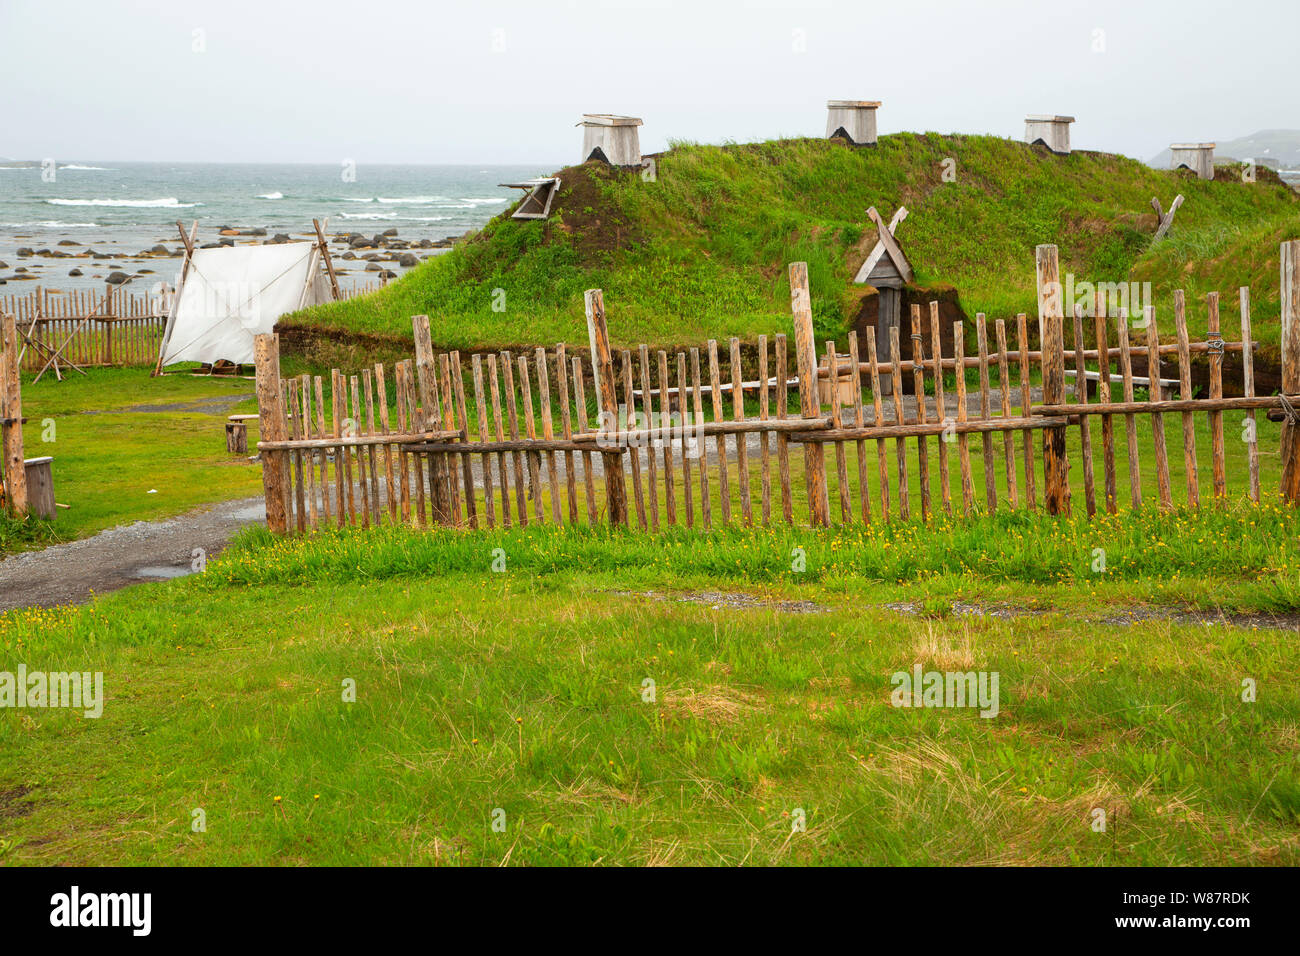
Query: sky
[{"x": 505, "y": 82}]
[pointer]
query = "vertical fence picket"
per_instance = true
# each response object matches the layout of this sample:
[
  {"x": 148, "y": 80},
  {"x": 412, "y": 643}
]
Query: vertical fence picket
[
  {"x": 724, "y": 479},
  {"x": 566, "y": 431},
  {"x": 782, "y": 441},
  {"x": 1130, "y": 419},
  {"x": 664, "y": 433},
  {"x": 498, "y": 425},
  {"x": 742, "y": 442},
  {"x": 1004, "y": 395},
  {"x": 580, "y": 409},
  {"x": 690, "y": 434},
  {"x": 922, "y": 417},
  {"x": 878, "y": 420},
  {"x": 634, "y": 451},
  {"x": 548, "y": 433},
  {"x": 837, "y": 422},
  {"x": 1214, "y": 338},
  {"x": 1103, "y": 396},
  {"x": 1155, "y": 395},
  {"x": 963, "y": 445},
  {"x": 764, "y": 413},
  {"x": 986, "y": 439},
  {"x": 697, "y": 403},
  {"x": 859, "y": 421},
  {"x": 489, "y": 505},
  {"x": 508, "y": 384},
  {"x": 900, "y": 418},
  {"x": 1185, "y": 393},
  {"x": 1085, "y": 426},
  {"x": 1248, "y": 389}
]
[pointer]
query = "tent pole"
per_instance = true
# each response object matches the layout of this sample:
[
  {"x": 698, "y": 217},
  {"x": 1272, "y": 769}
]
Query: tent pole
[
  {"x": 176, "y": 298},
  {"x": 329, "y": 263}
]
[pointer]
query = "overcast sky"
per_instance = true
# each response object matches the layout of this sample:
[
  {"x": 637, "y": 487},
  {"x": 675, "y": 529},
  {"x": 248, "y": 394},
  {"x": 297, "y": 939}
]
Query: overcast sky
[{"x": 498, "y": 82}]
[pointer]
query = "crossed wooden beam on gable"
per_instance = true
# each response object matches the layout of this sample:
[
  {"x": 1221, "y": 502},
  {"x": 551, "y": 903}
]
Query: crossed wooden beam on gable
[
  {"x": 887, "y": 265},
  {"x": 1165, "y": 219}
]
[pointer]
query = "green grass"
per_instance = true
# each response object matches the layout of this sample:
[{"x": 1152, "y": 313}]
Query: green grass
[
  {"x": 523, "y": 692},
  {"x": 114, "y": 464},
  {"x": 702, "y": 251}
]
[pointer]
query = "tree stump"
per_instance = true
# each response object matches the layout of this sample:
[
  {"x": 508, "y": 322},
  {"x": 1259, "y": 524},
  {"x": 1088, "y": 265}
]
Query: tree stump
[{"x": 237, "y": 438}]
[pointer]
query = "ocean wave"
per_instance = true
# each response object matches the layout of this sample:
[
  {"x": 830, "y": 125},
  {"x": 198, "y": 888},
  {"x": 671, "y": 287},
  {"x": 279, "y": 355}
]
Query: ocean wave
[
  {"x": 271, "y": 196},
  {"x": 412, "y": 200},
  {"x": 440, "y": 202},
  {"x": 392, "y": 216},
  {"x": 104, "y": 169},
  {"x": 171, "y": 202},
  {"x": 50, "y": 224}
]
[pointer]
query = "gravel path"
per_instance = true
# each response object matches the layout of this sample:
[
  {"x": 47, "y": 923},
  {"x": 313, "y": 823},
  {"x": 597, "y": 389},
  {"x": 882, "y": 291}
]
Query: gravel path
[{"x": 128, "y": 554}]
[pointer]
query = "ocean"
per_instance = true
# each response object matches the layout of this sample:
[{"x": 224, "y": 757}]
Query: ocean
[{"x": 119, "y": 210}]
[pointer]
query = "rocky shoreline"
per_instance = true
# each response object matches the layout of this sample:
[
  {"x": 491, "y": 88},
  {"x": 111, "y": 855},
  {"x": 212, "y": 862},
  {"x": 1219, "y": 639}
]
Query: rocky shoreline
[{"x": 383, "y": 255}]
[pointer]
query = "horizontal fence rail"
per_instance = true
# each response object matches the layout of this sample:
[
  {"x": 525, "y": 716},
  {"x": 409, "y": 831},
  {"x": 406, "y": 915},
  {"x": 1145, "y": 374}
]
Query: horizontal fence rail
[{"x": 656, "y": 439}]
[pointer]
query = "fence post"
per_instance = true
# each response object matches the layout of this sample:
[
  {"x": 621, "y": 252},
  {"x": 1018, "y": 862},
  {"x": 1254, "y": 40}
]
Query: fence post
[
  {"x": 814, "y": 459},
  {"x": 270, "y": 408},
  {"x": 426, "y": 379},
  {"x": 11, "y": 410},
  {"x": 1290, "y": 314},
  {"x": 602, "y": 361},
  {"x": 1051, "y": 319}
]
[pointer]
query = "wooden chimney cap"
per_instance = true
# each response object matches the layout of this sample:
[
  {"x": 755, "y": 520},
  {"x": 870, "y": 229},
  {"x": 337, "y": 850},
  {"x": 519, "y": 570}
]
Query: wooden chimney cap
[{"x": 609, "y": 119}]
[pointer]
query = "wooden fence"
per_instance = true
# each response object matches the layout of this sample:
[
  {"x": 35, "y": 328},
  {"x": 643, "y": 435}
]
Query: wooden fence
[
  {"x": 111, "y": 328},
  {"x": 13, "y": 471},
  {"x": 425, "y": 460}
]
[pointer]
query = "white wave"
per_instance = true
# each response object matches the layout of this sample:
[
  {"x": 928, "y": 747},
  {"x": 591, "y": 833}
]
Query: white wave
[
  {"x": 392, "y": 216},
  {"x": 276, "y": 195},
  {"x": 412, "y": 200},
  {"x": 486, "y": 201},
  {"x": 171, "y": 202},
  {"x": 76, "y": 166},
  {"x": 51, "y": 224},
  {"x": 3, "y": 168},
  {"x": 355, "y": 199}
]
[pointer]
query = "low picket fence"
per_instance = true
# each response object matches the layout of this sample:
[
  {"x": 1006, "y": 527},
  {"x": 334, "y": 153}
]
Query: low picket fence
[{"x": 556, "y": 438}]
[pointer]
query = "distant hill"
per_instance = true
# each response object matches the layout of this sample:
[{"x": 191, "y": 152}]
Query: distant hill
[
  {"x": 701, "y": 251},
  {"x": 1277, "y": 148}
]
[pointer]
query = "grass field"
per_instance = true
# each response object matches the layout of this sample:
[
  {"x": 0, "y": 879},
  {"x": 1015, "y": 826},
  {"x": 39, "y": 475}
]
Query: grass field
[
  {"x": 520, "y": 699},
  {"x": 122, "y": 451}
]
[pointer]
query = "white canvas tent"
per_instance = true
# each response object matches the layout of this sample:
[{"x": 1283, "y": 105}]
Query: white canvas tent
[{"x": 232, "y": 293}]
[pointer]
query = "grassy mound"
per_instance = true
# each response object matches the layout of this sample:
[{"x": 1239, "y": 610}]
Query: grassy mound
[{"x": 701, "y": 250}]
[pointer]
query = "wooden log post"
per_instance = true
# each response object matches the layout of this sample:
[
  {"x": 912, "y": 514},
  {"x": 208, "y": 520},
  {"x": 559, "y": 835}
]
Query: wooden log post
[
  {"x": 1290, "y": 315},
  {"x": 11, "y": 417},
  {"x": 266, "y": 355},
  {"x": 809, "y": 403},
  {"x": 237, "y": 438},
  {"x": 1056, "y": 471},
  {"x": 603, "y": 364}
]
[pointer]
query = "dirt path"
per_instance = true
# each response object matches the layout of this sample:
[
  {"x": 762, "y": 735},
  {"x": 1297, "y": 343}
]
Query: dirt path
[{"x": 128, "y": 554}]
